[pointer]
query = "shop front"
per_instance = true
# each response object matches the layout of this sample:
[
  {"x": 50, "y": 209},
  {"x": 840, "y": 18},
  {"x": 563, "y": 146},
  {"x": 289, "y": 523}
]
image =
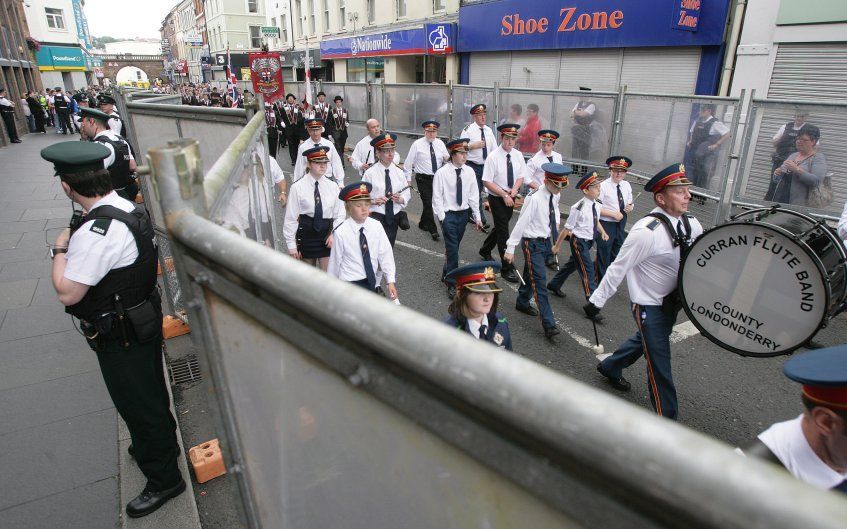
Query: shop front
[
  {"x": 667, "y": 46},
  {"x": 424, "y": 54},
  {"x": 64, "y": 66}
]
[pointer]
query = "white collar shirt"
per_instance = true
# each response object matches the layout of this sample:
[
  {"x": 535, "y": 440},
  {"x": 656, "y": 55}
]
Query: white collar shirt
[
  {"x": 115, "y": 123},
  {"x": 609, "y": 196},
  {"x": 842, "y": 225},
  {"x": 474, "y": 326},
  {"x": 363, "y": 154},
  {"x": 345, "y": 258},
  {"x": 5, "y": 102},
  {"x": 473, "y": 133},
  {"x": 334, "y": 169},
  {"x": 376, "y": 176},
  {"x": 114, "y": 136},
  {"x": 91, "y": 255},
  {"x": 495, "y": 170},
  {"x": 444, "y": 191},
  {"x": 534, "y": 174},
  {"x": 301, "y": 201},
  {"x": 419, "y": 160},
  {"x": 789, "y": 445},
  {"x": 648, "y": 260},
  {"x": 534, "y": 220},
  {"x": 581, "y": 218}
]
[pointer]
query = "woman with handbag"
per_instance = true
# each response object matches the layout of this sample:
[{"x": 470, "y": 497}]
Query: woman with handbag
[{"x": 802, "y": 172}]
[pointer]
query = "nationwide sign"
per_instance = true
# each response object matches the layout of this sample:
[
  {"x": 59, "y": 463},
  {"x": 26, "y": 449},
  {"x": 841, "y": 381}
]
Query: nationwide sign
[
  {"x": 431, "y": 39},
  {"x": 542, "y": 24}
]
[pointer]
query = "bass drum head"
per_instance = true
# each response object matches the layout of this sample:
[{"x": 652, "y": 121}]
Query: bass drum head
[{"x": 753, "y": 290}]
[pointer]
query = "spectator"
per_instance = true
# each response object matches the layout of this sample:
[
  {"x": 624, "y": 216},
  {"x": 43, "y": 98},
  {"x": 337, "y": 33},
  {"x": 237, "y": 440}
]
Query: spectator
[
  {"x": 37, "y": 112},
  {"x": 30, "y": 119},
  {"x": 705, "y": 137},
  {"x": 515, "y": 115},
  {"x": 528, "y": 141},
  {"x": 803, "y": 171},
  {"x": 783, "y": 143}
]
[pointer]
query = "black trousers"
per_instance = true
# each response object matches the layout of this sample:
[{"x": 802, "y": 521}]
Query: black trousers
[
  {"x": 9, "y": 120},
  {"x": 65, "y": 121},
  {"x": 39, "y": 120},
  {"x": 390, "y": 229},
  {"x": 273, "y": 141},
  {"x": 293, "y": 143},
  {"x": 339, "y": 138},
  {"x": 427, "y": 222},
  {"x": 135, "y": 379},
  {"x": 500, "y": 234}
]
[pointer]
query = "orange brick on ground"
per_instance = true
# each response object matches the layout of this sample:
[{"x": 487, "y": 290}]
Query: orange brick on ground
[{"x": 207, "y": 461}]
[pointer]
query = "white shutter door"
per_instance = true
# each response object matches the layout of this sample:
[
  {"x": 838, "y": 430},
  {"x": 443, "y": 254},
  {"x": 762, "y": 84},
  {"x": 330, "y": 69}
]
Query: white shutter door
[
  {"x": 488, "y": 68},
  {"x": 810, "y": 71},
  {"x": 661, "y": 70},
  {"x": 535, "y": 69},
  {"x": 597, "y": 69}
]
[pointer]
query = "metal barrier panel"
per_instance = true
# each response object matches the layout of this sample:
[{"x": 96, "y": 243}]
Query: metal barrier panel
[
  {"x": 580, "y": 142},
  {"x": 378, "y": 102},
  {"x": 356, "y": 99},
  {"x": 463, "y": 99},
  {"x": 763, "y": 179},
  {"x": 407, "y": 106}
]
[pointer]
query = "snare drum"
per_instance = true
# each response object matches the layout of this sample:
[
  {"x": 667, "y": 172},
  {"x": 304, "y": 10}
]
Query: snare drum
[{"x": 764, "y": 283}]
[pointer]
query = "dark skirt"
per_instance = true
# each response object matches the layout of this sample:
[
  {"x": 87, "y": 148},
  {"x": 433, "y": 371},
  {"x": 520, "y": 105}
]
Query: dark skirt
[{"x": 311, "y": 243}]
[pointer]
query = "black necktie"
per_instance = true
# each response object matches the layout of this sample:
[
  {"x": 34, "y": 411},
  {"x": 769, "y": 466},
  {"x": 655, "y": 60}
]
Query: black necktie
[
  {"x": 841, "y": 487},
  {"x": 432, "y": 158},
  {"x": 683, "y": 240},
  {"x": 510, "y": 172},
  {"x": 550, "y": 159},
  {"x": 459, "y": 187},
  {"x": 484, "y": 145},
  {"x": 483, "y": 332},
  {"x": 594, "y": 215},
  {"x": 620, "y": 199},
  {"x": 317, "y": 219},
  {"x": 389, "y": 206},
  {"x": 366, "y": 259},
  {"x": 554, "y": 230}
]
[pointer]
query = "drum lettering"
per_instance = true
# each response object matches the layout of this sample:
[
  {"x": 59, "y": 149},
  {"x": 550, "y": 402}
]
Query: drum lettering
[
  {"x": 793, "y": 262},
  {"x": 802, "y": 275},
  {"x": 737, "y": 314},
  {"x": 721, "y": 244},
  {"x": 743, "y": 330}
]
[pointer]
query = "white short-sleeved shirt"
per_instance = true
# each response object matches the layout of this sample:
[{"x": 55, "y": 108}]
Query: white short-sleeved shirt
[
  {"x": 534, "y": 174},
  {"x": 91, "y": 254},
  {"x": 718, "y": 127},
  {"x": 334, "y": 170},
  {"x": 581, "y": 218},
  {"x": 109, "y": 160},
  {"x": 495, "y": 170},
  {"x": 473, "y": 133},
  {"x": 609, "y": 195},
  {"x": 345, "y": 258}
]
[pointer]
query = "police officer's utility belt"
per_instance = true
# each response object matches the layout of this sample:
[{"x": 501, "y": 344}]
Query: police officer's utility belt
[{"x": 143, "y": 322}]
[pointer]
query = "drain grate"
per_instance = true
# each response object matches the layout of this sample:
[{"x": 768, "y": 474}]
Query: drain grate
[{"x": 184, "y": 370}]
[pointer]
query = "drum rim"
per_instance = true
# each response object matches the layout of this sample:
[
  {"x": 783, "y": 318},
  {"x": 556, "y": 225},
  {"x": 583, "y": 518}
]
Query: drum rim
[{"x": 815, "y": 259}]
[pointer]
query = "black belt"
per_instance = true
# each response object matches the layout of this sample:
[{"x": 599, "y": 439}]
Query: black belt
[
  {"x": 537, "y": 239},
  {"x": 458, "y": 211},
  {"x": 475, "y": 164},
  {"x": 424, "y": 174}
]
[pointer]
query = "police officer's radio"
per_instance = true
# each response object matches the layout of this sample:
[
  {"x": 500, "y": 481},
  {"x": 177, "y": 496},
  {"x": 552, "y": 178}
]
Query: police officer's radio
[{"x": 76, "y": 220}]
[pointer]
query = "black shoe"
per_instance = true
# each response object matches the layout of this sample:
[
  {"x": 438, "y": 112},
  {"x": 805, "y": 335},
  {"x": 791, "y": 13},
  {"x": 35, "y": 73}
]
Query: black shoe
[
  {"x": 510, "y": 275},
  {"x": 529, "y": 310},
  {"x": 556, "y": 291},
  {"x": 598, "y": 318},
  {"x": 17, "y": 141},
  {"x": 620, "y": 384},
  {"x": 812, "y": 344},
  {"x": 551, "y": 265},
  {"x": 131, "y": 451},
  {"x": 451, "y": 291},
  {"x": 379, "y": 291},
  {"x": 486, "y": 225},
  {"x": 434, "y": 236},
  {"x": 148, "y": 501},
  {"x": 550, "y": 332},
  {"x": 486, "y": 256}
]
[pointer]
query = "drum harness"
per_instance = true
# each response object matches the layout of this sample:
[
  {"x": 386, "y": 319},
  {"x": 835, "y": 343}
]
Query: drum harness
[{"x": 672, "y": 303}]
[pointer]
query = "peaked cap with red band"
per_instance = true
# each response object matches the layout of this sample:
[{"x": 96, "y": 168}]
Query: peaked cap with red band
[
  {"x": 314, "y": 123},
  {"x": 509, "y": 129},
  {"x": 476, "y": 277},
  {"x": 673, "y": 175},
  {"x": 557, "y": 173},
  {"x": 478, "y": 109},
  {"x": 618, "y": 162},
  {"x": 588, "y": 180},
  {"x": 823, "y": 373},
  {"x": 548, "y": 135},
  {"x": 458, "y": 145},
  {"x": 317, "y": 154},
  {"x": 386, "y": 140},
  {"x": 356, "y": 191}
]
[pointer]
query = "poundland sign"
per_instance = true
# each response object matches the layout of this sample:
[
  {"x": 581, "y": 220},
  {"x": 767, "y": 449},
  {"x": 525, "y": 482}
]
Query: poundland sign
[
  {"x": 60, "y": 58},
  {"x": 545, "y": 24}
]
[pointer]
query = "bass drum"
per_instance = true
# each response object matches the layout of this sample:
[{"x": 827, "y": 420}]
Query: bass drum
[{"x": 764, "y": 283}]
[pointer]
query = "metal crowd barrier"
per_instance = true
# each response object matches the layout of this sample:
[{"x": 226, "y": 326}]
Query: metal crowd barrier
[{"x": 344, "y": 410}]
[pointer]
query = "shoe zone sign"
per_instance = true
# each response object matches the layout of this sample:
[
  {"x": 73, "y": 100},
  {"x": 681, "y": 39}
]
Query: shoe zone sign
[
  {"x": 556, "y": 24},
  {"x": 432, "y": 39}
]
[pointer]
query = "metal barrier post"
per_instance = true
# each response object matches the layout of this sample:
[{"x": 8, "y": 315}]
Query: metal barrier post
[
  {"x": 496, "y": 102},
  {"x": 735, "y": 158},
  {"x": 619, "y": 112}
]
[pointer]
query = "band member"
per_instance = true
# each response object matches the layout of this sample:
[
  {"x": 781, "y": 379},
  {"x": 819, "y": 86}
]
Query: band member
[
  {"x": 537, "y": 224},
  {"x": 321, "y": 110},
  {"x": 335, "y": 171},
  {"x": 312, "y": 211},
  {"x": 455, "y": 198},
  {"x": 363, "y": 156},
  {"x": 502, "y": 177},
  {"x": 649, "y": 259},
  {"x": 616, "y": 197},
  {"x": 813, "y": 446},
  {"x": 534, "y": 176},
  {"x": 292, "y": 123},
  {"x": 426, "y": 156},
  {"x": 337, "y": 124},
  {"x": 272, "y": 124},
  {"x": 390, "y": 193},
  {"x": 582, "y": 227},
  {"x": 582, "y": 115},
  {"x": 474, "y": 307},
  {"x": 360, "y": 246},
  {"x": 482, "y": 143}
]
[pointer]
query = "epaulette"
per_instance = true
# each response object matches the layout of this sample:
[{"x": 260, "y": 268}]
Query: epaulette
[
  {"x": 501, "y": 320},
  {"x": 101, "y": 225},
  {"x": 598, "y": 201},
  {"x": 654, "y": 224},
  {"x": 531, "y": 192},
  {"x": 687, "y": 214},
  {"x": 581, "y": 203}
]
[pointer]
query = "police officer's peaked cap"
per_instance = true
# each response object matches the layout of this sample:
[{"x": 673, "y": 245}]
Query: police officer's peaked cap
[
  {"x": 823, "y": 373},
  {"x": 105, "y": 99},
  {"x": 476, "y": 277},
  {"x": 356, "y": 191},
  {"x": 672, "y": 175},
  {"x": 86, "y": 112},
  {"x": 70, "y": 157}
]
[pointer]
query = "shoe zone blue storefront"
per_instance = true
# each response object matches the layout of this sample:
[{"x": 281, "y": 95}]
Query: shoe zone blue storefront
[{"x": 664, "y": 46}]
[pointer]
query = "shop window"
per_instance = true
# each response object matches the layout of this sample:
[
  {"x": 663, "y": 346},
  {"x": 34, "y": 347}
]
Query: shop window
[
  {"x": 55, "y": 18},
  {"x": 365, "y": 70},
  {"x": 255, "y": 37}
]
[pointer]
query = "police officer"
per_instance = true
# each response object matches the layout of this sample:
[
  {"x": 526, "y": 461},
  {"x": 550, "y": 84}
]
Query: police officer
[
  {"x": 426, "y": 156},
  {"x": 649, "y": 259},
  {"x": 813, "y": 446},
  {"x": 616, "y": 197},
  {"x": 120, "y": 162},
  {"x": 482, "y": 143},
  {"x": 292, "y": 123},
  {"x": 104, "y": 272},
  {"x": 582, "y": 115},
  {"x": 335, "y": 171},
  {"x": 62, "y": 104},
  {"x": 337, "y": 124},
  {"x": 705, "y": 137},
  {"x": 474, "y": 307},
  {"x": 107, "y": 106},
  {"x": 7, "y": 111}
]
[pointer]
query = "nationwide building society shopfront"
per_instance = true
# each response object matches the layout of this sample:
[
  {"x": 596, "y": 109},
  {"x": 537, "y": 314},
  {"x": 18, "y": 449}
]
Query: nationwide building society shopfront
[{"x": 666, "y": 46}]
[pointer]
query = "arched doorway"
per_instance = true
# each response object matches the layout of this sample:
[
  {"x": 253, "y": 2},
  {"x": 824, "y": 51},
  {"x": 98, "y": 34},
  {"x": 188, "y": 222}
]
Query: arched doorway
[{"x": 132, "y": 76}]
